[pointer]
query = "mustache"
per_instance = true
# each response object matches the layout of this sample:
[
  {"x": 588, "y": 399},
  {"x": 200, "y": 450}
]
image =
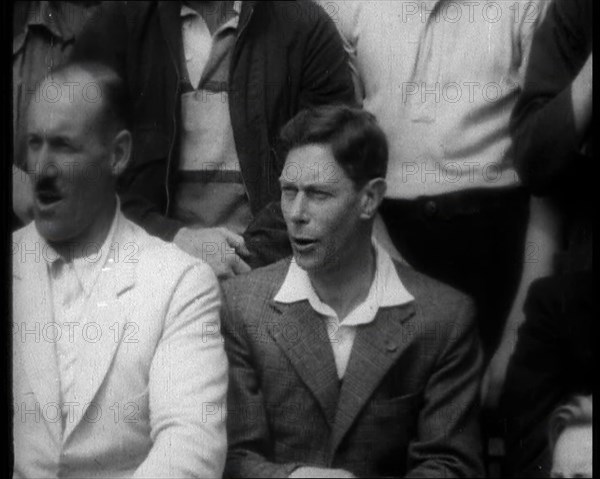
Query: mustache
[{"x": 47, "y": 185}]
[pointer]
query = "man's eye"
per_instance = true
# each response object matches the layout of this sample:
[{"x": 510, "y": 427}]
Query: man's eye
[
  {"x": 320, "y": 195},
  {"x": 33, "y": 143},
  {"x": 63, "y": 145}
]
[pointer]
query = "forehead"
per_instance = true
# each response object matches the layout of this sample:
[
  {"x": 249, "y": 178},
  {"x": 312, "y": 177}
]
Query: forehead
[
  {"x": 574, "y": 448},
  {"x": 313, "y": 164},
  {"x": 64, "y": 105}
]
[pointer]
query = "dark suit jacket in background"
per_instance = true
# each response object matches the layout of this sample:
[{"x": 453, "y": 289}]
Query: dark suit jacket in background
[
  {"x": 553, "y": 360},
  {"x": 287, "y": 56},
  {"x": 408, "y": 402}
]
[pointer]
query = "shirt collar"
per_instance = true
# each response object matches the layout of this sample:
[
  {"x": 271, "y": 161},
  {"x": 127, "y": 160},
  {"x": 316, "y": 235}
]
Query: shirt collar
[
  {"x": 386, "y": 290},
  {"x": 50, "y": 17},
  {"x": 86, "y": 267}
]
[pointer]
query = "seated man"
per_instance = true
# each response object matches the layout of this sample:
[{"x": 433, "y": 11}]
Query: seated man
[
  {"x": 570, "y": 429},
  {"x": 342, "y": 362},
  {"x": 118, "y": 366}
]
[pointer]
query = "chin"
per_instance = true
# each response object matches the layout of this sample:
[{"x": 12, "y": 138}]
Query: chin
[
  {"x": 307, "y": 264},
  {"x": 54, "y": 231},
  {"x": 316, "y": 263}
]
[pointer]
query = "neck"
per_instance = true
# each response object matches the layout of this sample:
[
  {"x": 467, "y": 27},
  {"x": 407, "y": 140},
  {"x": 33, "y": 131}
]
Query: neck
[
  {"x": 347, "y": 283},
  {"x": 91, "y": 240}
]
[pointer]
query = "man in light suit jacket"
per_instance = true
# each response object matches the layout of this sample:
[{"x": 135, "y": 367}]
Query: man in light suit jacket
[
  {"x": 342, "y": 362},
  {"x": 118, "y": 366}
]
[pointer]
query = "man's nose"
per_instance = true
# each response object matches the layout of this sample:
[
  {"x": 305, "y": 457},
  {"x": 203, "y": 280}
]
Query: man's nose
[
  {"x": 299, "y": 209},
  {"x": 42, "y": 163}
]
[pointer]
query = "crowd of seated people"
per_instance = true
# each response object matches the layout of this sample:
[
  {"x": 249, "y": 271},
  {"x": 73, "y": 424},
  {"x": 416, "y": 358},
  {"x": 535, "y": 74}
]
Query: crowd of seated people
[{"x": 302, "y": 239}]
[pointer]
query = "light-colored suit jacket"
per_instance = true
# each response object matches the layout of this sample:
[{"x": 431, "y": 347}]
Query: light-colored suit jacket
[
  {"x": 151, "y": 375},
  {"x": 408, "y": 402}
]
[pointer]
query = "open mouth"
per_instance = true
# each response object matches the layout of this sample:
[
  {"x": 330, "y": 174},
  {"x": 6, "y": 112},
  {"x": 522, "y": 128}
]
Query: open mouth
[
  {"x": 47, "y": 197},
  {"x": 303, "y": 242}
]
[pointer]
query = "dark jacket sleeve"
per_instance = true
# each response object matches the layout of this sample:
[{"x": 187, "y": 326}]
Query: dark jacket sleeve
[
  {"x": 449, "y": 442},
  {"x": 247, "y": 428},
  {"x": 327, "y": 78},
  {"x": 543, "y": 126},
  {"x": 552, "y": 360},
  {"x": 105, "y": 39}
]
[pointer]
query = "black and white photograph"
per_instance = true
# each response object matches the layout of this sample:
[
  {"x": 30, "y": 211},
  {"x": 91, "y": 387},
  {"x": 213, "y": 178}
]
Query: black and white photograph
[{"x": 303, "y": 238}]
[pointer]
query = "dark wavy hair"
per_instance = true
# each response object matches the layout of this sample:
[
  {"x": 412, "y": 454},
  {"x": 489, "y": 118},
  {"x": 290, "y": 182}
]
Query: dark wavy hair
[{"x": 356, "y": 140}]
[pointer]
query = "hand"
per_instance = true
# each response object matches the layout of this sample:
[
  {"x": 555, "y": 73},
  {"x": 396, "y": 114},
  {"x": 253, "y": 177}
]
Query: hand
[
  {"x": 220, "y": 248},
  {"x": 22, "y": 195},
  {"x": 582, "y": 97},
  {"x": 320, "y": 472},
  {"x": 495, "y": 375}
]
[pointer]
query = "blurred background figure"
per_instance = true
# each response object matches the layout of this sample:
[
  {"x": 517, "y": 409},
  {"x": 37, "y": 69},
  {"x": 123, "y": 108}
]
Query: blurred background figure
[
  {"x": 551, "y": 357},
  {"x": 212, "y": 84},
  {"x": 571, "y": 438},
  {"x": 553, "y": 360},
  {"x": 43, "y": 37}
]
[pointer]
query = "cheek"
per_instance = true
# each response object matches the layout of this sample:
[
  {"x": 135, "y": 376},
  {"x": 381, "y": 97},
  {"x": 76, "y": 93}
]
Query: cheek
[{"x": 340, "y": 221}]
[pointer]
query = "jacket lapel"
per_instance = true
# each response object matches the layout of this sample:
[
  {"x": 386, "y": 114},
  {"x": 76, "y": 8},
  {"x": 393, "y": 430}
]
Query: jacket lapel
[
  {"x": 35, "y": 331},
  {"x": 376, "y": 348},
  {"x": 303, "y": 338},
  {"x": 102, "y": 326}
]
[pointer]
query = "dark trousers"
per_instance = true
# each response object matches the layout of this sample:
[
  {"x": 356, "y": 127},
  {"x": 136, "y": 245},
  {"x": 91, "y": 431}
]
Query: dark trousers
[{"x": 471, "y": 240}]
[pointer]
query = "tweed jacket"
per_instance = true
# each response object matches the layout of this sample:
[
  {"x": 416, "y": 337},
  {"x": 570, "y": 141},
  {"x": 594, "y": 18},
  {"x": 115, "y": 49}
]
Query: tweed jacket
[{"x": 406, "y": 406}]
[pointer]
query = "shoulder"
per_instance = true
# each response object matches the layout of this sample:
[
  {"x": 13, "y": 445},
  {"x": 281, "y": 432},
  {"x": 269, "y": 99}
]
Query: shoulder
[
  {"x": 298, "y": 16},
  {"x": 22, "y": 234},
  {"x": 156, "y": 259},
  {"x": 25, "y": 243},
  {"x": 427, "y": 289},
  {"x": 437, "y": 302},
  {"x": 124, "y": 14},
  {"x": 259, "y": 285}
]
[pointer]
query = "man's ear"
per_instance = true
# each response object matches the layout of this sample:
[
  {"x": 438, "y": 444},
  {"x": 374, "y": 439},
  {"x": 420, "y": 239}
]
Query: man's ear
[
  {"x": 121, "y": 152},
  {"x": 372, "y": 196}
]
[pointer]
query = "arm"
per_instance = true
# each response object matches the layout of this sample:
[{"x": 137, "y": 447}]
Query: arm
[
  {"x": 247, "y": 426},
  {"x": 266, "y": 237},
  {"x": 326, "y": 75},
  {"x": 343, "y": 15},
  {"x": 188, "y": 384},
  {"x": 449, "y": 443},
  {"x": 551, "y": 118},
  {"x": 542, "y": 242},
  {"x": 536, "y": 378}
]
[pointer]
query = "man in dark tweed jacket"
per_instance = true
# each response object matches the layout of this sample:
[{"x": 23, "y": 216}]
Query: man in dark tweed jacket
[{"x": 342, "y": 362}]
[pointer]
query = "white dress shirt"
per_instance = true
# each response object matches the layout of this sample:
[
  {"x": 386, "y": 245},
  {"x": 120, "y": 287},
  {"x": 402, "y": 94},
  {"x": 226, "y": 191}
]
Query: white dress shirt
[
  {"x": 71, "y": 283},
  {"x": 386, "y": 290}
]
